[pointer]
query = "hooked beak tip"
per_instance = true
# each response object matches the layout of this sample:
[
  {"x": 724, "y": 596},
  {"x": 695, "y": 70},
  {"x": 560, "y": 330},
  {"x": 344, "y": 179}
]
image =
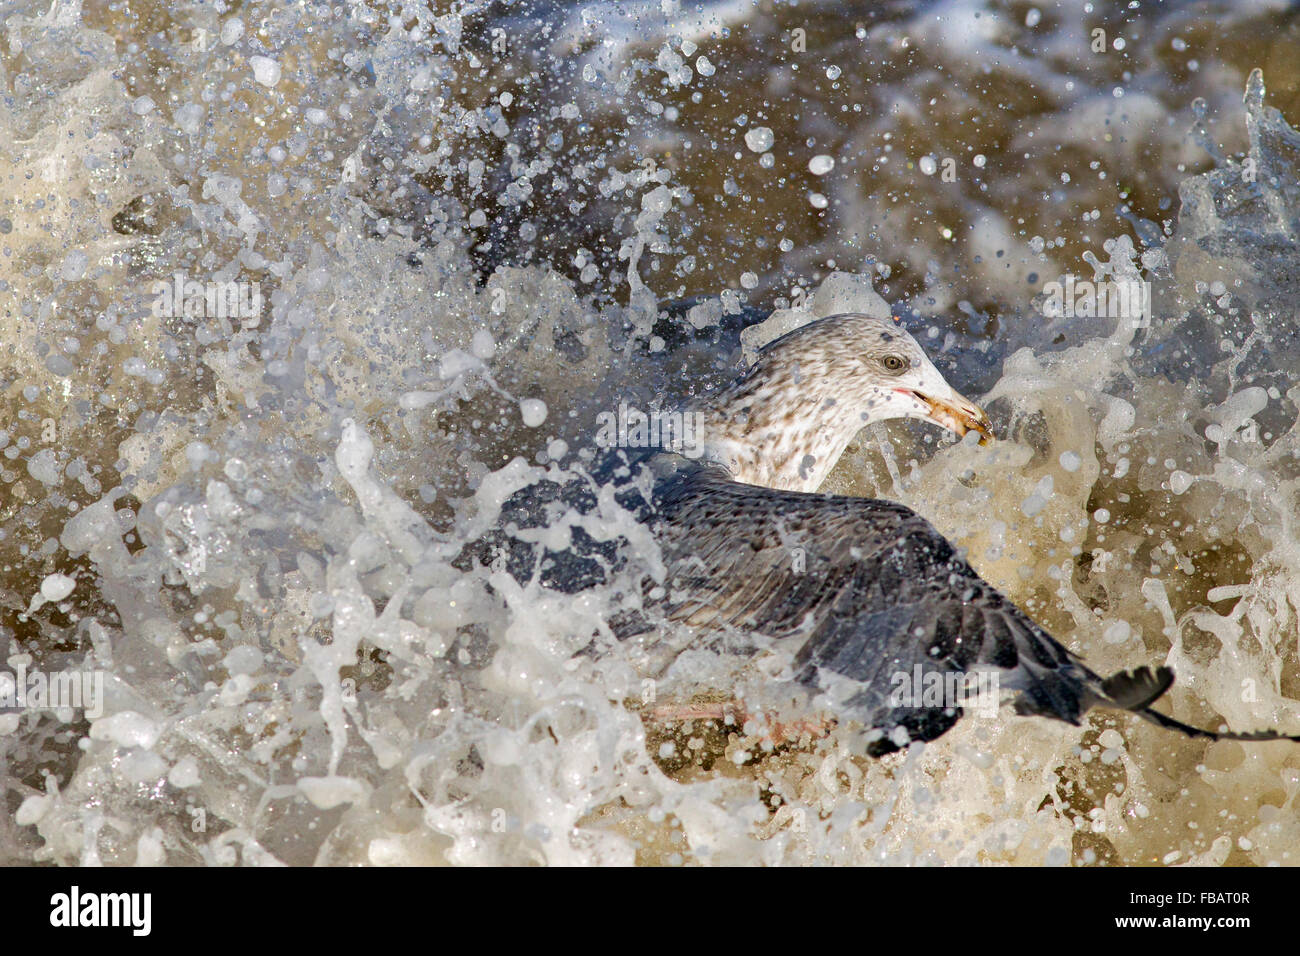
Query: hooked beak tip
[{"x": 959, "y": 415}]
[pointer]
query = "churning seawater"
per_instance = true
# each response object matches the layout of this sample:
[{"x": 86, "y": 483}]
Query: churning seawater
[{"x": 292, "y": 296}]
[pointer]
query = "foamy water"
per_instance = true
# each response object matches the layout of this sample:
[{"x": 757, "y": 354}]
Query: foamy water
[{"x": 292, "y": 300}]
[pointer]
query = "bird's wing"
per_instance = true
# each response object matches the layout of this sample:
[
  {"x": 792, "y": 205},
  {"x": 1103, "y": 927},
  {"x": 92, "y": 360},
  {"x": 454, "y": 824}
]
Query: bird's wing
[
  {"x": 577, "y": 559},
  {"x": 881, "y": 598},
  {"x": 880, "y": 601}
]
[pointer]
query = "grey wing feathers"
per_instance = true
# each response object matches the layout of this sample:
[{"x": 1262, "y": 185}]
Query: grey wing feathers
[
  {"x": 869, "y": 587},
  {"x": 876, "y": 590}
]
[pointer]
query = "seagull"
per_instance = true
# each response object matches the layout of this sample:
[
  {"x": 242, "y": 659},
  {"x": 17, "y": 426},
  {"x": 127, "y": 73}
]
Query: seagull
[{"x": 869, "y": 598}]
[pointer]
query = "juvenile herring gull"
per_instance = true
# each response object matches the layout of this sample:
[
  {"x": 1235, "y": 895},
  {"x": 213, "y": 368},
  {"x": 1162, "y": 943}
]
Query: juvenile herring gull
[{"x": 876, "y": 591}]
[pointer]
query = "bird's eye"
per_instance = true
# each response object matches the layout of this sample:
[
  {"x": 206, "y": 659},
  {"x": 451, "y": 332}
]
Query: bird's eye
[{"x": 894, "y": 363}]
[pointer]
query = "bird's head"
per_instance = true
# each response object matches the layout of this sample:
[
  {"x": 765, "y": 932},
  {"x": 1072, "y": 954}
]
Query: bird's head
[
  {"x": 881, "y": 371},
  {"x": 786, "y": 422}
]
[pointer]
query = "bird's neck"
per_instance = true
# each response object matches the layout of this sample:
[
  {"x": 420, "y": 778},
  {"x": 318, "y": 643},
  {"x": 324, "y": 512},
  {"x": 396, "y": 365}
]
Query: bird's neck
[{"x": 786, "y": 435}]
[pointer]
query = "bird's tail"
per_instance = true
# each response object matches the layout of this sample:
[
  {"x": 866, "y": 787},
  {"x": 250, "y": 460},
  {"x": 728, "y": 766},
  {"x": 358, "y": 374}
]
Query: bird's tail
[{"x": 1138, "y": 689}]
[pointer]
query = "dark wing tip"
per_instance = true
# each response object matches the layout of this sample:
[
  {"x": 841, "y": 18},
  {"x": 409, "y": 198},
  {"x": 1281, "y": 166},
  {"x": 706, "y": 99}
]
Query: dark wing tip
[{"x": 1138, "y": 688}]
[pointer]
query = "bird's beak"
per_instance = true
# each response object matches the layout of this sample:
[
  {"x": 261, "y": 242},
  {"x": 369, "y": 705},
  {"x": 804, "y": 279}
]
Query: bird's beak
[{"x": 958, "y": 414}]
